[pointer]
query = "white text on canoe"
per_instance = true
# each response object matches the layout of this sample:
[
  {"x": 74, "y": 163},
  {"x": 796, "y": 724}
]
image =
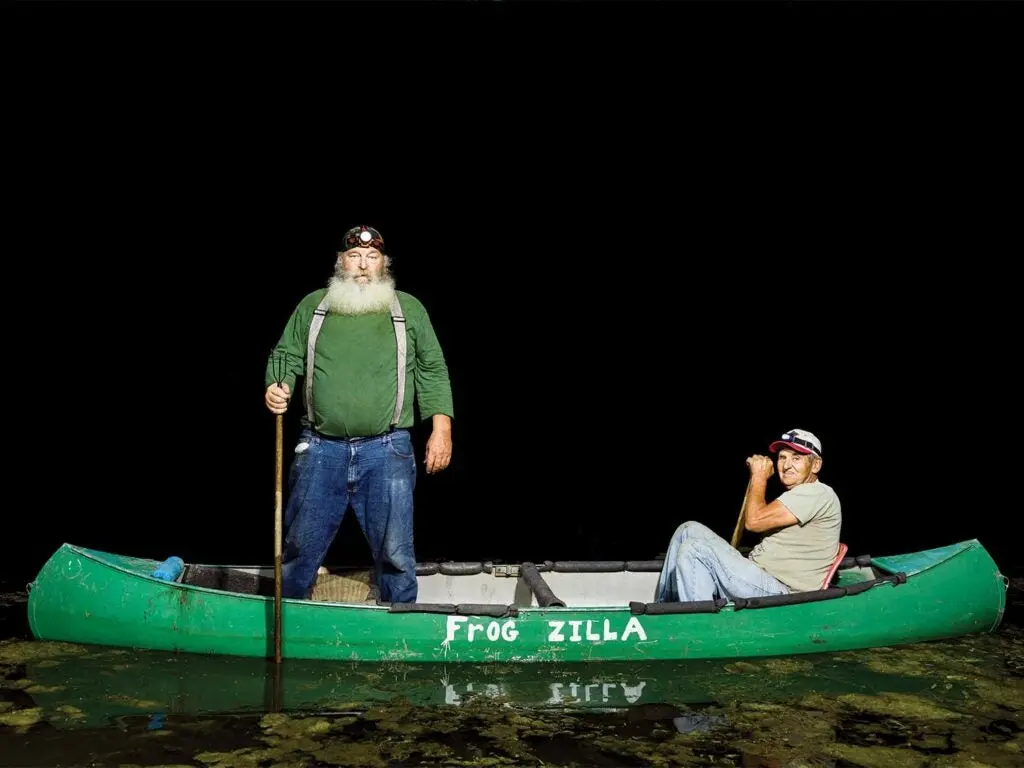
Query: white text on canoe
[{"x": 576, "y": 631}]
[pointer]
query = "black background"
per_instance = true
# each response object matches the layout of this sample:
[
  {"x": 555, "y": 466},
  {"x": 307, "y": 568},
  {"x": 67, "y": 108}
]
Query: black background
[{"x": 642, "y": 264}]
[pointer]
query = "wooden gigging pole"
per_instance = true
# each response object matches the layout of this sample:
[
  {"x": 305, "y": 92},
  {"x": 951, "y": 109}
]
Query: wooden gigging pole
[{"x": 278, "y": 536}]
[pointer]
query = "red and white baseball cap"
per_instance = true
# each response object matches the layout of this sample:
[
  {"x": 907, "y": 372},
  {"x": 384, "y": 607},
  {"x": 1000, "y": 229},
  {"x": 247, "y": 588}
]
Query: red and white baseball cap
[{"x": 800, "y": 440}]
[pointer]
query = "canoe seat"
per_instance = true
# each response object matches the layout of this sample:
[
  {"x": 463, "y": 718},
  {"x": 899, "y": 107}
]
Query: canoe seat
[
  {"x": 348, "y": 587},
  {"x": 835, "y": 566}
]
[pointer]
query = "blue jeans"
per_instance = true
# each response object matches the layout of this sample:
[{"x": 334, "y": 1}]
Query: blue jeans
[
  {"x": 376, "y": 476},
  {"x": 701, "y": 565}
]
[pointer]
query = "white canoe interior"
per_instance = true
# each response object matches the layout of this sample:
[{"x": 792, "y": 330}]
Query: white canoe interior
[
  {"x": 572, "y": 584},
  {"x": 616, "y": 588},
  {"x": 573, "y": 589}
]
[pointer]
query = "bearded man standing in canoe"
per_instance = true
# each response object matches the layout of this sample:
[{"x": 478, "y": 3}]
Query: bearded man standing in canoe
[{"x": 366, "y": 352}]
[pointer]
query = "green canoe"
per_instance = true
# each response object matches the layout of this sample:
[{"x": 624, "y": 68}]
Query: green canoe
[{"x": 479, "y": 612}]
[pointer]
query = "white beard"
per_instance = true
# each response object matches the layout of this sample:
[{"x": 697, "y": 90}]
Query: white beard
[{"x": 347, "y": 297}]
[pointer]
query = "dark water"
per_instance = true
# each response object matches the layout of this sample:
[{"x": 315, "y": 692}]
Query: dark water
[{"x": 953, "y": 703}]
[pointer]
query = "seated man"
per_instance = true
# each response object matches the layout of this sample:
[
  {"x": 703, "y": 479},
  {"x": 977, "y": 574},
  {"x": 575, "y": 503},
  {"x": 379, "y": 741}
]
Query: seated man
[{"x": 801, "y": 530}]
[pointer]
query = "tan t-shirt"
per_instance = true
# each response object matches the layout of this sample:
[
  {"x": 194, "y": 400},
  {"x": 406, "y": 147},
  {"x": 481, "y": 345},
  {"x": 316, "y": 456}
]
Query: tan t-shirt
[{"x": 800, "y": 555}]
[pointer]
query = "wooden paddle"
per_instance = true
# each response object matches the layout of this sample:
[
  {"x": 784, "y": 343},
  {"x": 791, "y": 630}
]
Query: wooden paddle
[
  {"x": 278, "y": 363},
  {"x": 278, "y": 535}
]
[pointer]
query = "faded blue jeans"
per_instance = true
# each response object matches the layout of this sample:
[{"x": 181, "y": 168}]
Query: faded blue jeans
[
  {"x": 701, "y": 565},
  {"x": 376, "y": 476}
]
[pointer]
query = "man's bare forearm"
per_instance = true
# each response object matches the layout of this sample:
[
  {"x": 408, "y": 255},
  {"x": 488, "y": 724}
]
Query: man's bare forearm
[{"x": 754, "y": 501}]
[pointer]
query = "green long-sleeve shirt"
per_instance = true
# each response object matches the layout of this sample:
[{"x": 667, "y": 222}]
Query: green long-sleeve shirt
[{"x": 354, "y": 379}]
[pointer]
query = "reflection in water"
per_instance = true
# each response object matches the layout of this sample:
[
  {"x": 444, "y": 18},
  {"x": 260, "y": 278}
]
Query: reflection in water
[
  {"x": 955, "y": 703},
  {"x": 106, "y": 683}
]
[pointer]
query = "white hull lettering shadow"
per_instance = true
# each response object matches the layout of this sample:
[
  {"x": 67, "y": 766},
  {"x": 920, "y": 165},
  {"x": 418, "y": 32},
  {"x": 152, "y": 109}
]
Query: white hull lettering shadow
[{"x": 560, "y": 692}]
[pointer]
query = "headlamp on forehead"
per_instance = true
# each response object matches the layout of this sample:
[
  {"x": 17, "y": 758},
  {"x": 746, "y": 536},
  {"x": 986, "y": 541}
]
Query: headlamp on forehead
[
  {"x": 362, "y": 237},
  {"x": 800, "y": 440}
]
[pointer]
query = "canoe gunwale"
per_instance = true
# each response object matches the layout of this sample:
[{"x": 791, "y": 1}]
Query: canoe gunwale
[
  {"x": 769, "y": 601},
  {"x": 882, "y": 575}
]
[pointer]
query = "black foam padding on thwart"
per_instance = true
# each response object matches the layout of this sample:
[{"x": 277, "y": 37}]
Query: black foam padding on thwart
[{"x": 227, "y": 580}]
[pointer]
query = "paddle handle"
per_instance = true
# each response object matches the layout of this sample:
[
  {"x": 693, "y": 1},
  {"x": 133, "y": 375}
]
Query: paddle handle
[
  {"x": 737, "y": 533},
  {"x": 278, "y": 533}
]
